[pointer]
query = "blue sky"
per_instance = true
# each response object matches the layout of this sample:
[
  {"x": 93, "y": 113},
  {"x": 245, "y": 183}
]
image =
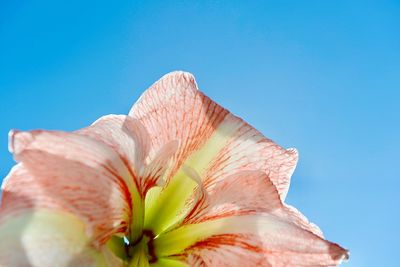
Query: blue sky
[{"x": 321, "y": 76}]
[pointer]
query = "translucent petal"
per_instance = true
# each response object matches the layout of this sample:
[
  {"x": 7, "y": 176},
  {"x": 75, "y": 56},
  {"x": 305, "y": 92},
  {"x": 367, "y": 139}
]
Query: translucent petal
[{"x": 43, "y": 238}]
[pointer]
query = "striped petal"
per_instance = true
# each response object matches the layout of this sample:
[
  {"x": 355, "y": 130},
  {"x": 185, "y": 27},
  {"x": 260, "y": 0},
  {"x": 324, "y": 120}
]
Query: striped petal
[
  {"x": 251, "y": 240},
  {"x": 70, "y": 172},
  {"x": 245, "y": 193},
  {"x": 129, "y": 138},
  {"x": 214, "y": 142},
  {"x": 125, "y": 135},
  {"x": 243, "y": 220}
]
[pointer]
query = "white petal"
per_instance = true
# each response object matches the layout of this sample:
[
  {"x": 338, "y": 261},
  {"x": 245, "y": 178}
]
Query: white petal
[{"x": 47, "y": 239}]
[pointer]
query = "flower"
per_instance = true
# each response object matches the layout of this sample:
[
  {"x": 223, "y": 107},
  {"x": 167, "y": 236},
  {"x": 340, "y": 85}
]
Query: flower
[{"x": 180, "y": 181}]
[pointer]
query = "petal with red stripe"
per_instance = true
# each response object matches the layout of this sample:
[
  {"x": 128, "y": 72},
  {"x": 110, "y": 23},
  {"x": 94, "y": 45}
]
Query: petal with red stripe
[
  {"x": 212, "y": 141},
  {"x": 71, "y": 172}
]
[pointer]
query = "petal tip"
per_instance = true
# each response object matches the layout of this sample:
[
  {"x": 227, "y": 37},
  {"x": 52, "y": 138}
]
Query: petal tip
[
  {"x": 339, "y": 254},
  {"x": 18, "y": 141},
  {"x": 11, "y": 140},
  {"x": 293, "y": 152},
  {"x": 180, "y": 77},
  {"x": 346, "y": 255},
  {"x": 180, "y": 74},
  {"x": 294, "y": 157}
]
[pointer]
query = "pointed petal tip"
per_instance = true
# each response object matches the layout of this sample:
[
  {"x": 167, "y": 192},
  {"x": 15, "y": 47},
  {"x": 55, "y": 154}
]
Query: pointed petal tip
[
  {"x": 17, "y": 140},
  {"x": 345, "y": 254},
  {"x": 338, "y": 253},
  {"x": 293, "y": 151}
]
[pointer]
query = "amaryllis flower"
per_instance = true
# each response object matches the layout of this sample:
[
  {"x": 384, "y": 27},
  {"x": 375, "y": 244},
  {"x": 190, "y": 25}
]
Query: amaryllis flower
[{"x": 180, "y": 181}]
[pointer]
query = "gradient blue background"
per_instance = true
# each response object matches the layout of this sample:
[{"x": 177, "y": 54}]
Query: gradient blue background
[{"x": 321, "y": 76}]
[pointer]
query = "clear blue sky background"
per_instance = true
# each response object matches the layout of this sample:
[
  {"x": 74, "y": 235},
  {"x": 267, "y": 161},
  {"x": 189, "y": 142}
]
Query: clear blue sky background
[{"x": 321, "y": 76}]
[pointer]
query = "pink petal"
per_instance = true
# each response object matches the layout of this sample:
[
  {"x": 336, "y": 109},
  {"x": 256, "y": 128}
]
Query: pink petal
[
  {"x": 18, "y": 196},
  {"x": 174, "y": 109},
  {"x": 251, "y": 240},
  {"x": 67, "y": 171},
  {"x": 129, "y": 138},
  {"x": 244, "y": 193},
  {"x": 243, "y": 220},
  {"x": 248, "y": 149},
  {"x": 292, "y": 214},
  {"x": 125, "y": 135},
  {"x": 276, "y": 243}
]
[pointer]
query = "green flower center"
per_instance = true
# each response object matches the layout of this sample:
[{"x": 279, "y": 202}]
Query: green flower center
[{"x": 152, "y": 239}]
